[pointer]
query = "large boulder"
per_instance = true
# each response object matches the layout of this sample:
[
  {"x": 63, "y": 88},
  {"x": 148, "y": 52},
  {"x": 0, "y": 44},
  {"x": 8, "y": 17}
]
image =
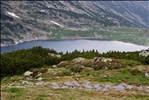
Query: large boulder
[
  {"x": 87, "y": 63},
  {"x": 139, "y": 69},
  {"x": 105, "y": 63},
  {"x": 82, "y": 61},
  {"x": 62, "y": 64},
  {"x": 79, "y": 60}
]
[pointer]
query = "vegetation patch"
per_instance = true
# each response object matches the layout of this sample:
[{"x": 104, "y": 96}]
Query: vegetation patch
[
  {"x": 16, "y": 91},
  {"x": 17, "y": 62},
  {"x": 137, "y": 36}
]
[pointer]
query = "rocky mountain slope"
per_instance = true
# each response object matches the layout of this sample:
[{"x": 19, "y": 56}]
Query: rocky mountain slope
[{"x": 31, "y": 20}]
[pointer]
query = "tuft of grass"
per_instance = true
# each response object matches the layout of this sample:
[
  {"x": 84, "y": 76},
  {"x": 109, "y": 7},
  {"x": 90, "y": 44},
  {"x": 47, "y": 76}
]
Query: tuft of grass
[
  {"x": 118, "y": 76},
  {"x": 40, "y": 97},
  {"x": 17, "y": 91},
  {"x": 46, "y": 93},
  {"x": 143, "y": 97},
  {"x": 67, "y": 73}
]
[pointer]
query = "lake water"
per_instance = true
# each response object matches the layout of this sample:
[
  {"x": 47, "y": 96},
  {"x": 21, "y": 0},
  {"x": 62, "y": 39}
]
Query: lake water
[{"x": 71, "y": 45}]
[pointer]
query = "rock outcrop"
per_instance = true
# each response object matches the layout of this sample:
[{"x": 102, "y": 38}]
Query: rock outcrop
[
  {"x": 140, "y": 69},
  {"x": 35, "y": 73},
  {"x": 105, "y": 63},
  {"x": 78, "y": 64}
]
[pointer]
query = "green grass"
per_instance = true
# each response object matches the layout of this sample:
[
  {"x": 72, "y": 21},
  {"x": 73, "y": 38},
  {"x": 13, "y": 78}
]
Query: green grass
[
  {"x": 131, "y": 63},
  {"x": 40, "y": 97},
  {"x": 46, "y": 93},
  {"x": 143, "y": 97},
  {"x": 116, "y": 76},
  {"x": 126, "y": 34},
  {"x": 17, "y": 91}
]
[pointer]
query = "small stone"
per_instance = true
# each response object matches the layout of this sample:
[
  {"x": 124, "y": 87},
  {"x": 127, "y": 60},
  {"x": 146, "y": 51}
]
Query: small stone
[
  {"x": 133, "y": 93},
  {"x": 39, "y": 74},
  {"x": 57, "y": 77},
  {"x": 64, "y": 87},
  {"x": 28, "y": 73},
  {"x": 54, "y": 66},
  {"x": 146, "y": 75},
  {"x": 55, "y": 85},
  {"x": 77, "y": 79},
  {"x": 97, "y": 87},
  {"x": 88, "y": 83},
  {"x": 82, "y": 67},
  {"x": 106, "y": 87},
  {"x": 87, "y": 86},
  {"x": 28, "y": 78},
  {"x": 70, "y": 84},
  {"x": 28, "y": 83},
  {"x": 39, "y": 79},
  {"x": 25, "y": 82},
  {"x": 105, "y": 76},
  {"x": 39, "y": 83},
  {"x": 119, "y": 87},
  {"x": 128, "y": 86},
  {"x": 76, "y": 84}
]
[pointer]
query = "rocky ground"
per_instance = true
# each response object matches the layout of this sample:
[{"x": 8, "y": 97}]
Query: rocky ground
[{"x": 86, "y": 83}]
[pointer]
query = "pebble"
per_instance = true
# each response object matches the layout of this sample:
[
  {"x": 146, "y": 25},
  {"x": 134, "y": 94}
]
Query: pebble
[
  {"x": 39, "y": 83},
  {"x": 55, "y": 85},
  {"x": 39, "y": 79},
  {"x": 97, "y": 87}
]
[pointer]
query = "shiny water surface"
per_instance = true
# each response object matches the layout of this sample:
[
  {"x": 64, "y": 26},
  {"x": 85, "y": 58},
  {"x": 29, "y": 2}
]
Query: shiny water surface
[{"x": 71, "y": 45}]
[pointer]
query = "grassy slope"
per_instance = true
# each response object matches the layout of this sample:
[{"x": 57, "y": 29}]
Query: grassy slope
[
  {"x": 126, "y": 34},
  {"x": 37, "y": 93},
  {"x": 29, "y": 92}
]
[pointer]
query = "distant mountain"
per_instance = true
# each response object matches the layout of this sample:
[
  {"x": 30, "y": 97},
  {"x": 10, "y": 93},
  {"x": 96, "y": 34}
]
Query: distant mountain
[{"x": 31, "y": 20}]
